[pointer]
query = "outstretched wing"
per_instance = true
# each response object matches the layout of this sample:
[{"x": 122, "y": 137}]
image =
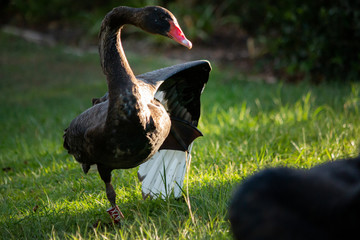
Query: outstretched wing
[{"x": 179, "y": 89}]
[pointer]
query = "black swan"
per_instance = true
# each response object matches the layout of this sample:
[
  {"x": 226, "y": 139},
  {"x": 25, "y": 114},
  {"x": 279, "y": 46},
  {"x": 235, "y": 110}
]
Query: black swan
[
  {"x": 139, "y": 116},
  {"x": 283, "y": 203}
]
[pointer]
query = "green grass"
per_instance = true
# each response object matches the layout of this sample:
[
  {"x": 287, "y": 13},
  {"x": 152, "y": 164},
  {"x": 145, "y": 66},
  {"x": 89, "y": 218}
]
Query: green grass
[{"x": 247, "y": 126}]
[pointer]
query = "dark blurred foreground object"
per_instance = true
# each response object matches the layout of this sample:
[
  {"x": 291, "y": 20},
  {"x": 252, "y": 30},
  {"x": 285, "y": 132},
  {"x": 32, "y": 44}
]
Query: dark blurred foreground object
[{"x": 283, "y": 203}]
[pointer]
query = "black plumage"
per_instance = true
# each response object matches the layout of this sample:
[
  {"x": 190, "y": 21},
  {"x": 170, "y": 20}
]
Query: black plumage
[{"x": 129, "y": 125}]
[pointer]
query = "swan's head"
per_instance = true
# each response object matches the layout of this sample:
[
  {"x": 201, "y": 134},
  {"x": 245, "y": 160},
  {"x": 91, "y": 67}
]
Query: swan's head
[{"x": 158, "y": 20}]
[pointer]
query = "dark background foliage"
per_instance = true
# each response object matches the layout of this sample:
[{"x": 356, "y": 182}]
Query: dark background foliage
[{"x": 319, "y": 40}]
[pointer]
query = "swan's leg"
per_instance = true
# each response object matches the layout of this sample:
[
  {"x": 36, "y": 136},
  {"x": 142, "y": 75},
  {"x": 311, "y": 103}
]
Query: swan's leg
[
  {"x": 105, "y": 174},
  {"x": 110, "y": 193}
]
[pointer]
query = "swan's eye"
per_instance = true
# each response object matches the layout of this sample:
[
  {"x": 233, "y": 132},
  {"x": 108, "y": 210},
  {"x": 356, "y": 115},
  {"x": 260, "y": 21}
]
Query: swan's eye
[{"x": 164, "y": 17}]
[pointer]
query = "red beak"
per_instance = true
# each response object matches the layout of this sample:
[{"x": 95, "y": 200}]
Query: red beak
[{"x": 177, "y": 35}]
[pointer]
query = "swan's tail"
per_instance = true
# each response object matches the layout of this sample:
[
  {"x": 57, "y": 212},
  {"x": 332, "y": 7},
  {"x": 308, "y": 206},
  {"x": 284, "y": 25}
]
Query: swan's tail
[{"x": 163, "y": 174}]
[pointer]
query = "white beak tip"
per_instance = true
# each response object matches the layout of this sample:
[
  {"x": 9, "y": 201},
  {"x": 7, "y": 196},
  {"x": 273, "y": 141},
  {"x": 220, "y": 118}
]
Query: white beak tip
[{"x": 186, "y": 43}]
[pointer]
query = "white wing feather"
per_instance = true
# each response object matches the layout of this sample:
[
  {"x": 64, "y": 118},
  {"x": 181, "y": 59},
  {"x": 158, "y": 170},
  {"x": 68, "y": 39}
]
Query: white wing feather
[{"x": 163, "y": 174}]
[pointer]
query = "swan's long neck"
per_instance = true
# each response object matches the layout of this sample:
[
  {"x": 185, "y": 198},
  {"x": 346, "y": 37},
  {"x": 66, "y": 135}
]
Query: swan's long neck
[
  {"x": 120, "y": 77},
  {"x": 113, "y": 60}
]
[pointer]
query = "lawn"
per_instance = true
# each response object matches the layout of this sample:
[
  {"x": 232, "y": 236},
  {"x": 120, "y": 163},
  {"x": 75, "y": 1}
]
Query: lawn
[{"x": 248, "y": 125}]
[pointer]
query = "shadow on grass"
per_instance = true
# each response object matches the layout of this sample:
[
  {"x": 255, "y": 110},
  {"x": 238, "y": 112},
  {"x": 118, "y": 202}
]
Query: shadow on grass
[{"x": 63, "y": 212}]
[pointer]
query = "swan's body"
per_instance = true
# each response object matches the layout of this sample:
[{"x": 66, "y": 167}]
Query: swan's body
[{"x": 132, "y": 122}]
